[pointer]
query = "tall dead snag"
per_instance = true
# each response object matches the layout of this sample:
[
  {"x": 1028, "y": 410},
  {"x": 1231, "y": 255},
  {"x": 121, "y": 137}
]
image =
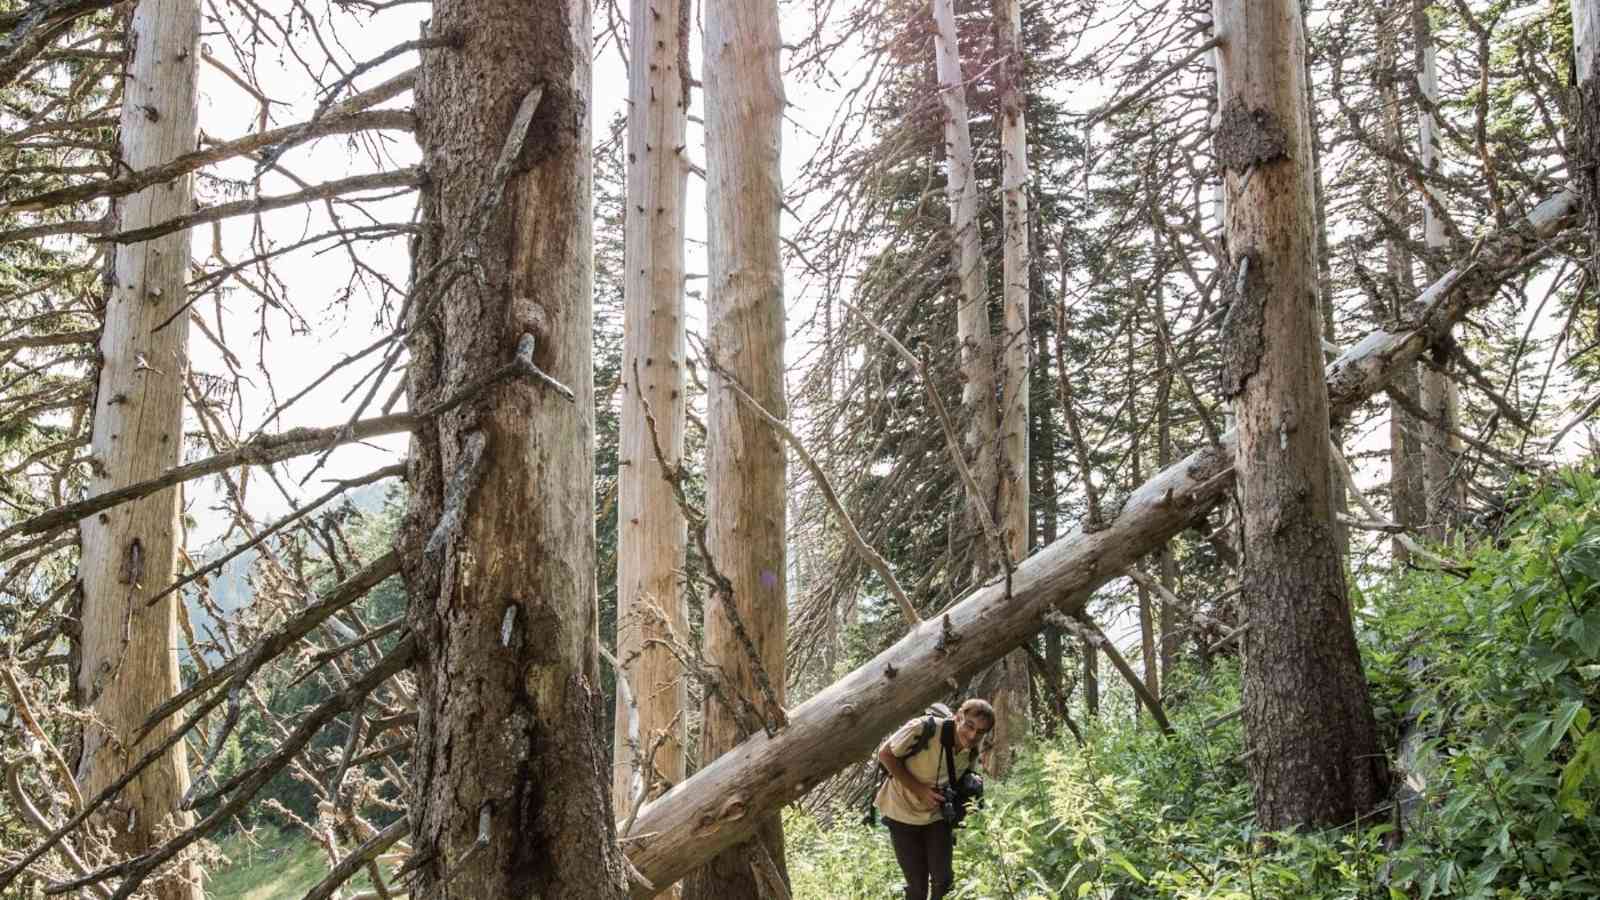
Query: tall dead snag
[
  {"x": 651, "y": 529},
  {"x": 1407, "y": 485},
  {"x": 718, "y": 806},
  {"x": 745, "y": 620},
  {"x": 978, "y": 381},
  {"x": 129, "y": 646},
  {"x": 512, "y": 789},
  {"x": 1314, "y": 757},
  {"x": 1586, "y": 138},
  {"x": 1438, "y": 394},
  {"x": 1011, "y": 695}
]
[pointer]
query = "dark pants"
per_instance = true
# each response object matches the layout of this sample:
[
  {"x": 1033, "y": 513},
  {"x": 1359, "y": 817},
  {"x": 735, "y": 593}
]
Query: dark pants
[{"x": 923, "y": 852}]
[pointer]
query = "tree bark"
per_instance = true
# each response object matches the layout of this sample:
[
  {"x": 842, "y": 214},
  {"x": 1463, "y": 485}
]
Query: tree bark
[
  {"x": 1315, "y": 756},
  {"x": 976, "y": 342},
  {"x": 1586, "y": 69},
  {"x": 512, "y": 791},
  {"x": 129, "y": 651},
  {"x": 719, "y": 805},
  {"x": 1011, "y": 696},
  {"x": 1445, "y": 490},
  {"x": 745, "y": 466},
  {"x": 651, "y": 528},
  {"x": 1407, "y": 482}
]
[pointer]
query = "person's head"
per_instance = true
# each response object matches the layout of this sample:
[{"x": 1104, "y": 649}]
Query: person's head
[{"x": 974, "y": 719}]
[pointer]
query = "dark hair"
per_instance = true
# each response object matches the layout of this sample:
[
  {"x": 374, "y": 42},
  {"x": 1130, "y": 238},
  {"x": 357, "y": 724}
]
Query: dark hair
[{"x": 978, "y": 707}]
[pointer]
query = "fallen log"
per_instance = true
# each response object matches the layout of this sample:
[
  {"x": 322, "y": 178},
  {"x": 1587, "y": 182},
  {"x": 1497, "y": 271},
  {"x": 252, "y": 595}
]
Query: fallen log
[{"x": 719, "y": 805}]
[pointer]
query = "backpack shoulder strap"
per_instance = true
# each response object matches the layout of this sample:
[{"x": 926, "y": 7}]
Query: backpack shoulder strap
[
  {"x": 947, "y": 742},
  {"x": 929, "y": 724}
]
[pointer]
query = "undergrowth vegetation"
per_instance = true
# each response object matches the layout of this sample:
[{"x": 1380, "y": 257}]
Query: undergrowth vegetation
[{"x": 1486, "y": 682}]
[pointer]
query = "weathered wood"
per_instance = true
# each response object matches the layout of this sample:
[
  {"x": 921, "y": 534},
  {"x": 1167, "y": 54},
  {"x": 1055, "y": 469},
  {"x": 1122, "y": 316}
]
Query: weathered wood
[
  {"x": 651, "y": 534},
  {"x": 718, "y": 806},
  {"x": 129, "y": 646},
  {"x": 1010, "y": 697},
  {"x": 745, "y": 464},
  {"x": 512, "y": 788},
  {"x": 1585, "y": 143}
]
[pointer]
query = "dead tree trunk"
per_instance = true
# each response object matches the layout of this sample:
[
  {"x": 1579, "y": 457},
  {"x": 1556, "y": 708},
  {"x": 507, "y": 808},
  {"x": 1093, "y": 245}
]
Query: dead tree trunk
[
  {"x": 129, "y": 647},
  {"x": 651, "y": 530},
  {"x": 746, "y": 615},
  {"x": 1440, "y": 398},
  {"x": 512, "y": 790},
  {"x": 1313, "y": 740},
  {"x": 1011, "y": 696},
  {"x": 1586, "y": 142},
  {"x": 720, "y": 804}
]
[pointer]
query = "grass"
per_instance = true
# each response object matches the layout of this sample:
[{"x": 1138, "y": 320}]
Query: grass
[{"x": 273, "y": 865}]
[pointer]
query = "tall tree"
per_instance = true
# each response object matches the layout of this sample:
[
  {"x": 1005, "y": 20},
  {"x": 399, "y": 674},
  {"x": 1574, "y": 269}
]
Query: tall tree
[
  {"x": 512, "y": 787},
  {"x": 745, "y": 622},
  {"x": 1437, "y": 391},
  {"x": 651, "y": 529},
  {"x": 1011, "y": 696},
  {"x": 1586, "y": 71},
  {"x": 1315, "y": 757},
  {"x": 129, "y": 651}
]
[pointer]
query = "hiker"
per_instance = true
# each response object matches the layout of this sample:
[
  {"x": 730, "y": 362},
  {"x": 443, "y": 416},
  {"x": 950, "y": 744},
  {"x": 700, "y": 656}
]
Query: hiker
[{"x": 916, "y": 800}]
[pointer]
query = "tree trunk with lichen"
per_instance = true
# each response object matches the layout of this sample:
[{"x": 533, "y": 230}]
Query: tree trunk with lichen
[
  {"x": 128, "y": 655},
  {"x": 747, "y": 614},
  {"x": 512, "y": 787},
  {"x": 651, "y": 607},
  {"x": 1314, "y": 756}
]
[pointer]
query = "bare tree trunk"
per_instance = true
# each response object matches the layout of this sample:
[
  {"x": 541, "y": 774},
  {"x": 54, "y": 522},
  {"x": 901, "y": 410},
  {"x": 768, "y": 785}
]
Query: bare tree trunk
[
  {"x": 1586, "y": 142},
  {"x": 651, "y": 529},
  {"x": 972, "y": 314},
  {"x": 745, "y": 465},
  {"x": 1408, "y": 491},
  {"x": 512, "y": 791},
  {"x": 129, "y": 651},
  {"x": 1314, "y": 758},
  {"x": 1011, "y": 697},
  {"x": 720, "y": 805},
  {"x": 1341, "y": 501},
  {"x": 1437, "y": 392},
  {"x": 1167, "y": 565}
]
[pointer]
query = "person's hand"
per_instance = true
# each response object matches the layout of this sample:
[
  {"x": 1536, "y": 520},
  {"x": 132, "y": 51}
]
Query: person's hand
[{"x": 929, "y": 797}]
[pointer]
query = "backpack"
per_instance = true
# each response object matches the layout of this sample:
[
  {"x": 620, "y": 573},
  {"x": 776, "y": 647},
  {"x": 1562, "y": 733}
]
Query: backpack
[{"x": 932, "y": 716}]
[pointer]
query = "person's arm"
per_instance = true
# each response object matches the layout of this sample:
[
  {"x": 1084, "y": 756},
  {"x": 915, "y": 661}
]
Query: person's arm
[{"x": 923, "y": 794}]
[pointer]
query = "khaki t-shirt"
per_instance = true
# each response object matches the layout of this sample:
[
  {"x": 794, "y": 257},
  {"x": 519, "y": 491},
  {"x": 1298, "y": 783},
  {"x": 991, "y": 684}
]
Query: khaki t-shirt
[{"x": 927, "y": 766}]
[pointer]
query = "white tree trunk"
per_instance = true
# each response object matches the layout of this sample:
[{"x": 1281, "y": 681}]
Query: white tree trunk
[
  {"x": 129, "y": 662},
  {"x": 1586, "y": 132},
  {"x": 1438, "y": 393},
  {"x": 745, "y": 466},
  {"x": 1011, "y": 697},
  {"x": 651, "y": 529},
  {"x": 719, "y": 805},
  {"x": 972, "y": 313}
]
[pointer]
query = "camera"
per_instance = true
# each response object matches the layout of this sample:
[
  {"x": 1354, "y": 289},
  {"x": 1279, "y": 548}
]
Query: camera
[{"x": 959, "y": 798}]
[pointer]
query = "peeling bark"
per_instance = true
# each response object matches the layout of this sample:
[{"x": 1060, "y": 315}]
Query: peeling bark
[{"x": 513, "y": 794}]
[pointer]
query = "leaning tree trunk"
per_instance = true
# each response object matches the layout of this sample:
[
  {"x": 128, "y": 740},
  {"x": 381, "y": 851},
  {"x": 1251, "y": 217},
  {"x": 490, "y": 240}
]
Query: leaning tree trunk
[
  {"x": 1445, "y": 489},
  {"x": 651, "y": 532},
  {"x": 129, "y": 655},
  {"x": 746, "y": 616},
  {"x": 512, "y": 788},
  {"x": 1314, "y": 755},
  {"x": 1011, "y": 694},
  {"x": 719, "y": 805}
]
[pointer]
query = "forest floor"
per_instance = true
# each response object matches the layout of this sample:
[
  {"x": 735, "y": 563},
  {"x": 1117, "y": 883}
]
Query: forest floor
[{"x": 274, "y": 865}]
